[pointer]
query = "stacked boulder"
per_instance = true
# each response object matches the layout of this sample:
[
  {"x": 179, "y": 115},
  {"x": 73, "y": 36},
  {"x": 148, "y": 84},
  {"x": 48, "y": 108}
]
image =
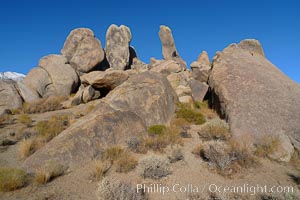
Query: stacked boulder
[
  {"x": 83, "y": 51},
  {"x": 90, "y": 72},
  {"x": 53, "y": 76},
  {"x": 201, "y": 68}
]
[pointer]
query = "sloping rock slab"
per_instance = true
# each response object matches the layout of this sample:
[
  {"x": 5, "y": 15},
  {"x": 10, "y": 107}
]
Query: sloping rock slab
[
  {"x": 254, "y": 95},
  {"x": 84, "y": 140}
]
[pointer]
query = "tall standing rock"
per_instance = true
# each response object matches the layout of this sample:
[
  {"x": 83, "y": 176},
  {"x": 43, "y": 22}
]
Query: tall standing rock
[
  {"x": 169, "y": 50},
  {"x": 117, "y": 46},
  {"x": 168, "y": 45},
  {"x": 83, "y": 50},
  {"x": 255, "y": 96}
]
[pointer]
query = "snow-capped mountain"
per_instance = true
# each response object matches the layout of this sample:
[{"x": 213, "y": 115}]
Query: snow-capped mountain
[{"x": 11, "y": 76}]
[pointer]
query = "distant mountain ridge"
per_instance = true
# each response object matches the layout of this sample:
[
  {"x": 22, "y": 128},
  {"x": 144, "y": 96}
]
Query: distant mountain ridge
[{"x": 11, "y": 76}]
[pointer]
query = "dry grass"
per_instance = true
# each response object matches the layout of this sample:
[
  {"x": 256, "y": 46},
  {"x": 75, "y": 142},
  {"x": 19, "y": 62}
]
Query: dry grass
[
  {"x": 26, "y": 148},
  {"x": 25, "y": 119},
  {"x": 206, "y": 110},
  {"x": 121, "y": 158},
  {"x": 191, "y": 115},
  {"x": 5, "y": 119},
  {"x": 44, "y": 105},
  {"x": 51, "y": 128},
  {"x": 100, "y": 168},
  {"x": 266, "y": 146},
  {"x": 50, "y": 171},
  {"x": 12, "y": 179},
  {"x": 169, "y": 136},
  {"x": 215, "y": 129},
  {"x": 242, "y": 152},
  {"x": 126, "y": 163},
  {"x": 179, "y": 123},
  {"x": 113, "y": 153}
]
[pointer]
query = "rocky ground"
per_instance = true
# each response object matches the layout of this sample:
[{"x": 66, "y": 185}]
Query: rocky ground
[{"x": 80, "y": 183}]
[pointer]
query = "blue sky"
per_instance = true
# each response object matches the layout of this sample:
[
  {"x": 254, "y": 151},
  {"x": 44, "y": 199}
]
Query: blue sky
[{"x": 32, "y": 29}]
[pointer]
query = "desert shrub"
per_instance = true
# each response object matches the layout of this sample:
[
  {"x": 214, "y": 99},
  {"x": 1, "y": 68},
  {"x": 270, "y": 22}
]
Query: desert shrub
[
  {"x": 25, "y": 119},
  {"x": 168, "y": 136},
  {"x": 48, "y": 172},
  {"x": 51, "y": 128},
  {"x": 217, "y": 154},
  {"x": 242, "y": 153},
  {"x": 156, "y": 129},
  {"x": 126, "y": 162},
  {"x": 266, "y": 146},
  {"x": 215, "y": 129},
  {"x": 113, "y": 153},
  {"x": 12, "y": 179},
  {"x": 186, "y": 112},
  {"x": 111, "y": 189},
  {"x": 100, "y": 168},
  {"x": 136, "y": 145},
  {"x": 44, "y": 105},
  {"x": 227, "y": 158},
  {"x": 154, "y": 167},
  {"x": 133, "y": 143},
  {"x": 174, "y": 154}
]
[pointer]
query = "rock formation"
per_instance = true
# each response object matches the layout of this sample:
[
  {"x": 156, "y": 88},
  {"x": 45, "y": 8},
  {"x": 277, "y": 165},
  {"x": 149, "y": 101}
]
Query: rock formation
[
  {"x": 82, "y": 50},
  {"x": 169, "y": 50},
  {"x": 117, "y": 46},
  {"x": 53, "y": 77},
  {"x": 143, "y": 100},
  {"x": 254, "y": 96},
  {"x": 9, "y": 97},
  {"x": 201, "y": 68},
  {"x": 107, "y": 79}
]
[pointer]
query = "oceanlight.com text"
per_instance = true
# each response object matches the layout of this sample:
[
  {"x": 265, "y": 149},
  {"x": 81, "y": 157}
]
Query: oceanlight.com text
[{"x": 214, "y": 188}]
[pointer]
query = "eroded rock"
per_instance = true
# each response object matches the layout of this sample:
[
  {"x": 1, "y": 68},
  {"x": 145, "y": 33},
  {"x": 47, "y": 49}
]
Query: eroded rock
[
  {"x": 117, "y": 46},
  {"x": 83, "y": 50}
]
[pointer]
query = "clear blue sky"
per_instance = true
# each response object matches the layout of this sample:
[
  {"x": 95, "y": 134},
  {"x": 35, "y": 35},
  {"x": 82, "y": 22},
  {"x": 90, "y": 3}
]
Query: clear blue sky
[{"x": 32, "y": 29}]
